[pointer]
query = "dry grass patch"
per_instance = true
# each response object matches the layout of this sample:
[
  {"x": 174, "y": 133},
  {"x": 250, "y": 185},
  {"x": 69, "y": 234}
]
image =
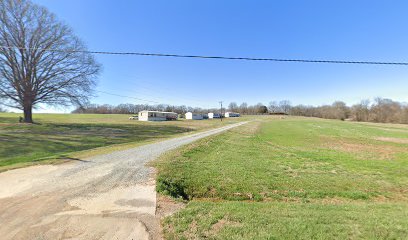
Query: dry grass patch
[
  {"x": 361, "y": 150},
  {"x": 393, "y": 140},
  {"x": 222, "y": 223},
  {"x": 167, "y": 206}
]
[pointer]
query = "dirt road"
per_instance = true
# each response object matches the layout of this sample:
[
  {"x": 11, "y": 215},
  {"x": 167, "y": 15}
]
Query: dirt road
[{"x": 109, "y": 196}]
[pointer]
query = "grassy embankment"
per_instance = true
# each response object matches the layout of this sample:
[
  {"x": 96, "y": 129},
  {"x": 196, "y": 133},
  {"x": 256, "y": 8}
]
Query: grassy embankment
[
  {"x": 293, "y": 178},
  {"x": 61, "y": 137}
]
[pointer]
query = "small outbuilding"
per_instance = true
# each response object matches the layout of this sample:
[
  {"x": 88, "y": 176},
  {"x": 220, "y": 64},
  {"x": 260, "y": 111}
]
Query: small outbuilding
[
  {"x": 231, "y": 114},
  {"x": 157, "y": 116},
  {"x": 194, "y": 116},
  {"x": 214, "y": 115}
]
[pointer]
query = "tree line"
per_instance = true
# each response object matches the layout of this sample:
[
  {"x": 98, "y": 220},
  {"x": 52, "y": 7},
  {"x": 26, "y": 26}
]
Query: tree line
[
  {"x": 380, "y": 110},
  {"x": 129, "y": 108}
]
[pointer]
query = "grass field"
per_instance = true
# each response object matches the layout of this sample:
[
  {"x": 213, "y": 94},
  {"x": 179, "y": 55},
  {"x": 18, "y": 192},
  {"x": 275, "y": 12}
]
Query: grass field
[
  {"x": 60, "y": 137},
  {"x": 293, "y": 178}
]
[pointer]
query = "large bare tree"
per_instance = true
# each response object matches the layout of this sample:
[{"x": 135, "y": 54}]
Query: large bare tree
[
  {"x": 41, "y": 60},
  {"x": 233, "y": 107}
]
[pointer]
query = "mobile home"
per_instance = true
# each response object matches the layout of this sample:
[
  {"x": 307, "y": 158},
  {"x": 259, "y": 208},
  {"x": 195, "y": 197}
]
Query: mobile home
[
  {"x": 194, "y": 116},
  {"x": 214, "y": 115},
  {"x": 157, "y": 116},
  {"x": 231, "y": 114}
]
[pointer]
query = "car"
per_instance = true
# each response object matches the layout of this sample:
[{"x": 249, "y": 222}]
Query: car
[{"x": 134, "y": 117}]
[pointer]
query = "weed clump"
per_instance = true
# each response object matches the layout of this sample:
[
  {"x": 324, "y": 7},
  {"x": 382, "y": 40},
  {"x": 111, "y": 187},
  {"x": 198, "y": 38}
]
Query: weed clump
[{"x": 172, "y": 187}]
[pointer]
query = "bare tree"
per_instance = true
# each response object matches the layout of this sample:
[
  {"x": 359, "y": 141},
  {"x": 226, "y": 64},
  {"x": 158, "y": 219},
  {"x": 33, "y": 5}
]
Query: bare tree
[
  {"x": 339, "y": 110},
  {"x": 274, "y": 107},
  {"x": 243, "y": 108},
  {"x": 385, "y": 110},
  {"x": 233, "y": 107},
  {"x": 285, "y": 106},
  {"x": 41, "y": 60},
  {"x": 361, "y": 111}
]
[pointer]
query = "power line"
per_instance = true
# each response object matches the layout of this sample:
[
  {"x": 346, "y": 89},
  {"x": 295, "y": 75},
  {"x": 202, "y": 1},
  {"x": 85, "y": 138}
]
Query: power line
[
  {"x": 221, "y": 110},
  {"x": 140, "y": 99},
  {"x": 216, "y": 57},
  {"x": 161, "y": 90},
  {"x": 118, "y": 95},
  {"x": 145, "y": 100}
]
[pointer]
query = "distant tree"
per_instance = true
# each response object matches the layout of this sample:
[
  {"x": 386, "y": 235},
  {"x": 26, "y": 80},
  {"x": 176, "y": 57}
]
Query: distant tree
[
  {"x": 274, "y": 107},
  {"x": 285, "y": 106},
  {"x": 182, "y": 109},
  {"x": 243, "y": 108},
  {"x": 262, "y": 109},
  {"x": 386, "y": 110},
  {"x": 170, "y": 108},
  {"x": 339, "y": 110},
  {"x": 233, "y": 107},
  {"x": 404, "y": 113},
  {"x": 382, "y": 110},
  {"x": 361, "y": 111},
  {"x": 43, "y": 61},
  {"x": 302, "y": 110}
]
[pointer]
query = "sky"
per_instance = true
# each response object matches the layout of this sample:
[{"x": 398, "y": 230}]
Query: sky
[{"x": 334, "y": 30}]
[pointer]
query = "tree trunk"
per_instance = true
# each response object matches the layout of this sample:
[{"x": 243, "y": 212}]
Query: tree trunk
[{"x": 28, "y": 113}]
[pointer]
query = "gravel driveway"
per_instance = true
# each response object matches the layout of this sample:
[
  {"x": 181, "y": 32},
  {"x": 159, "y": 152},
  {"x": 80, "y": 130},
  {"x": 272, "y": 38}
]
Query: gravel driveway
[{"x": 109, "y": 196}]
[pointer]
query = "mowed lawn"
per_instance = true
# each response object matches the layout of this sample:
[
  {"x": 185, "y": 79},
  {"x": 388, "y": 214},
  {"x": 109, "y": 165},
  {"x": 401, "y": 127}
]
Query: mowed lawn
[
  {"x": 292, "y": 178},
  {"x": 60, "y": 137}
]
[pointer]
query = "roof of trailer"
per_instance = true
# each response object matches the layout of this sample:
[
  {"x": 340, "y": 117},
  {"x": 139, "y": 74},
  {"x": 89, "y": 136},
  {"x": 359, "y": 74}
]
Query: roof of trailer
[{"x": 157, "y": 111}]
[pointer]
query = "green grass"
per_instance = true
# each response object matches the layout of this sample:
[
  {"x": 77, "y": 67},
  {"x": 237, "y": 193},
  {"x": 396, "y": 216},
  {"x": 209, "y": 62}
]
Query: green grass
[
  {"x": 65, "y": 136},
  {"x": 291, "y": 178},
  {"x": 270, "y": 220}
]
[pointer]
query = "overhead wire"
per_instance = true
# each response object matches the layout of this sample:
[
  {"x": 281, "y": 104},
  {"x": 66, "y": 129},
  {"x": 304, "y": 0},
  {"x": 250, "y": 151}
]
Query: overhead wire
[
  {"x": 139, "y": 99},
  {"x": 215, "y": 57},
  {"x": 204, "y": 57},
  {"x": 124, "y": 96}
]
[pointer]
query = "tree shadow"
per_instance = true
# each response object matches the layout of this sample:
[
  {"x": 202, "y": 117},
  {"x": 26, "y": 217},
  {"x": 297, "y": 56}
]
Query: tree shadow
[
  {"x": 73, "y": 159},
  {"x": 27, "y": 142},
  {"x": 4, "y": 119}
]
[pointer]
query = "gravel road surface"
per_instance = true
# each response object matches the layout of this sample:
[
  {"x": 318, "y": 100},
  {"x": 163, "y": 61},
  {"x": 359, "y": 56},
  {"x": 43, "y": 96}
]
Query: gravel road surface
[{"x": 109, "y": 196}]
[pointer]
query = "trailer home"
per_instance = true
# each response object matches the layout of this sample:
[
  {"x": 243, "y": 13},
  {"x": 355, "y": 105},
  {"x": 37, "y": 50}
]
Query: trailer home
[
  {"x": 194, "y": 116},
  {"x": 231, "y": 114},
  {"x": 157, "y": 116},
  {"x": 214, "y": 115}
]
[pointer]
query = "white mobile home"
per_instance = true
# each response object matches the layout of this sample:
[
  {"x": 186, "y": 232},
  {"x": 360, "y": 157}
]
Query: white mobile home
[
  {"x": 214, "y": 115},
  {"x": 231, "y": 114},
  {"x": 157, "y": 116},
  {"x": 194, "y": 116}
]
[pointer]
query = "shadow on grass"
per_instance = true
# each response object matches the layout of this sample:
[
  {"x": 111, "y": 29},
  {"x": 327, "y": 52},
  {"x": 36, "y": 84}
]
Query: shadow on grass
[
  {"x": 69, "y": 159},
  {"x": 4, "y": 119},
  {"x": 31, "y": 142},
  {"x": 15, "y": 120}
]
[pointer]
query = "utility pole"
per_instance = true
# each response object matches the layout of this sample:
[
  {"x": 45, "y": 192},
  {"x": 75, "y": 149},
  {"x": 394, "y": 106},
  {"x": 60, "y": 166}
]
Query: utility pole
[{"x": 221, "y": 111}]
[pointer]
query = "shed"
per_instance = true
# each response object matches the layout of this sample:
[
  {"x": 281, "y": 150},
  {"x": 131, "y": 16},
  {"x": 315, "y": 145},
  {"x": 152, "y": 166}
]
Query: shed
[{"x": 194, "y": 116}]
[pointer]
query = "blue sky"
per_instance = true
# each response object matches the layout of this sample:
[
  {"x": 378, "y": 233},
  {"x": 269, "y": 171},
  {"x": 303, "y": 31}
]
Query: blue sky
[{"x": 340, "y": 30}]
